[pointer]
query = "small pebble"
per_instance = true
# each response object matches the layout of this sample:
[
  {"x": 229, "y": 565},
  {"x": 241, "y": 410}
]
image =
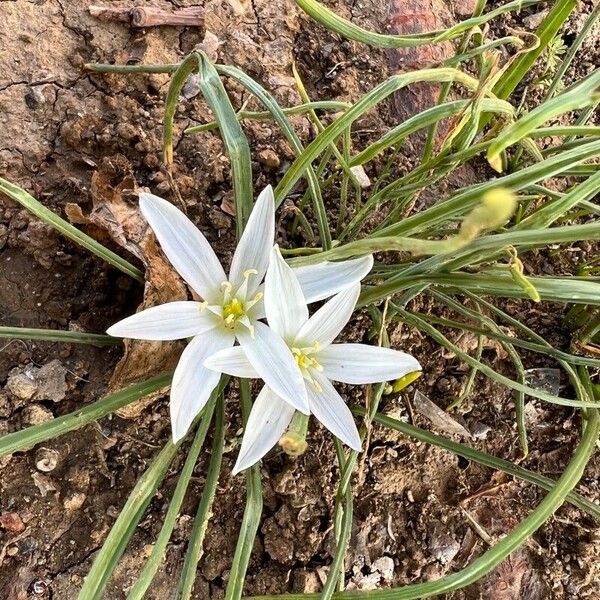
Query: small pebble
[
  {"x": 269, "y": 158},
  {"x": 74, "y": 501},
  {"x": 11, "y": 521}
]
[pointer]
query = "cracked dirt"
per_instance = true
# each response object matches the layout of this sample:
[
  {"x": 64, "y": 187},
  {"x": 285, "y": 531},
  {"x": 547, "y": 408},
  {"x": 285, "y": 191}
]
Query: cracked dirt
[{"x": 58, "y": 126}]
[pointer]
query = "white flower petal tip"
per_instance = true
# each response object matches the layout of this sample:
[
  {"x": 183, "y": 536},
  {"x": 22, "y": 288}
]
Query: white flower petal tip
[
  {"x": 325, "y": 279},
  {"x": 185, "y": 246},
  {"x": 285, "y": 305},
  {"x": 331, "y": 410},
  {"x": 325, "y": 325},
  {"x": 170, "y": 321},
  {"x": 359, "y": 364},
  {"x": 267, "y": 422},
  {"x": 254, "y": 248},
  {"x": 193, "y": 383},
  {"x": 232, "y": 361}
]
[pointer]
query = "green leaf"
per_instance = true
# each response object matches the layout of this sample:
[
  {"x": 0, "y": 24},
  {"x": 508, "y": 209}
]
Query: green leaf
[
  {"x": 24, "y": 439},
  {"x": 47, "y": 216}
]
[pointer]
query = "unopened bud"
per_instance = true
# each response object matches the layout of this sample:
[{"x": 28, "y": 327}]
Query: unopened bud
[
  {"x": 405, "y": 381},
  {"x": 496, "y": 207},
  {"x": 293, "y": 443}
]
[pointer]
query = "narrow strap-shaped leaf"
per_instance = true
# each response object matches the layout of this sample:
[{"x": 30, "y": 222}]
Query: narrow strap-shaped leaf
[
  {"x": 45, "y": 214},
  {"x": 158, "y": 551},
  {"x": 252, "y": 514},
  {"x": 56, "y": 335},
  {"x": 21, "y": 440},
  {"x": 204, "y": 513},
  {"x": 347, "y": 29}
]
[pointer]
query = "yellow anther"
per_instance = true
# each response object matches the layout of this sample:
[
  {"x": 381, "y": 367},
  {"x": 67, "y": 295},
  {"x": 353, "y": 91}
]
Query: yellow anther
[
  {"x": 249, "y": 272},
  {"x": 304, "y": 360},
  {"x": 233, "y": 310}
]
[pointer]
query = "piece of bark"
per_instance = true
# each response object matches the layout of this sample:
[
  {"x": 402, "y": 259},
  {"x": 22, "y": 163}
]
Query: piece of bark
[{"x": 192, "y": 16}]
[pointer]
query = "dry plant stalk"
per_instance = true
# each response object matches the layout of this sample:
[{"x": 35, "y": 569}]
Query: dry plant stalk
[{"x": 192, "y": 16}]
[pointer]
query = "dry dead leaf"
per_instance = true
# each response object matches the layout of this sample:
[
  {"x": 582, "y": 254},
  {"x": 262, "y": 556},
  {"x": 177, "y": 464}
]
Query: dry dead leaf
[
  {"x": 440, "y": 418},
  {"x": 467, "y": 341},
  {"x": 116, "y": 211}
]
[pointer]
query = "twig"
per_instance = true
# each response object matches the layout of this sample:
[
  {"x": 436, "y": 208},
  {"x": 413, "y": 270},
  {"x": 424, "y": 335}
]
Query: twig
[{"x": 192, "y": 16}]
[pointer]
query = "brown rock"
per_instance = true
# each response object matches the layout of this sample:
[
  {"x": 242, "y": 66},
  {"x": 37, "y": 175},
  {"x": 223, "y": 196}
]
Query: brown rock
[
  {"x": 11, "y": 522},
  {"x": 269, "y": 158}
]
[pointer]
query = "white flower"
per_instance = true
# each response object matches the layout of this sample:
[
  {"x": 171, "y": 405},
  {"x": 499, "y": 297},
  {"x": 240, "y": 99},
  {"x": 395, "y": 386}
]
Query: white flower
[
  {"x": 320, "y": 360},
  {"x": 231, "y": 309}
]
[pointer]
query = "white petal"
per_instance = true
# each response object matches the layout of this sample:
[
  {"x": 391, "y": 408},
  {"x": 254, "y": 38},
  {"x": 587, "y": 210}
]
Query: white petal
[
  {"x": 267, "y": 422},
  {"x": 359, "y": 363},
  {"x": 193, "y": 383},
  {"x": 329, "y": 320},
  {"x": 271, "y": 357},
  {"x": 325, "y": 279},
  {"x": 171, "y": 321},
  {"x": 285, "y": 305},
  {"x": 185, "y": 247},
  {"x": 232, "y": 361},
  {"x": 254, "y": 248},
  {"x": 329, "y": 407}
]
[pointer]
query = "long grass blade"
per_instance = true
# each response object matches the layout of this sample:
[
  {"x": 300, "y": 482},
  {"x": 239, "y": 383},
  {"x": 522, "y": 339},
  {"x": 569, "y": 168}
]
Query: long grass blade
[
  {"x": 251, "y": 518},
  {"x": 55, "y": 335},
  {"x": 264, "y": 115},
  {"x": 581, "y": 95},
  {"x": 160, "y": 546},
  {"x": 573, "y": 49},
  {"x": 367, "y": 102},
  {"x": 347, "y": 29},
  {"x": 545, "y": 32},
  {"x": 234, "y": 139},
  {"x": 204, "y": 512},
  {"x": 124, "y": 527},
  {"x": 464, "y": 200},
  {"x": 47, "y": 216},
  {"x": 286, "y": 127},
  {"x": 21, "y": 440}
]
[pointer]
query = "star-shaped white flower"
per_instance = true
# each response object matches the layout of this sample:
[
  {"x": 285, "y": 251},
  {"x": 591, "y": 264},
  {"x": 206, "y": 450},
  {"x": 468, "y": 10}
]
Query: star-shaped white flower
[
  {"x": 318, "y": 358},
  {"x": 231, "y": 309}
]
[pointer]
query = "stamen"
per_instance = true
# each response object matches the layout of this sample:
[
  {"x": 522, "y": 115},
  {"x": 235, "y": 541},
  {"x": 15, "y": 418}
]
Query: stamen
[
  {"x": 254, "y": 301},
  {"x": 304, "y": 359},
  {"x": 226, "y": 292},
  {"x": 244, "y": 320},
  {"x": 242, "y": 291}
]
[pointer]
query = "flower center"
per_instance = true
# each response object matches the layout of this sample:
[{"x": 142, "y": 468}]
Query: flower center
[
  {"x": 233, "y": 308},
  {"x": 232, "y": 311},
  {"x": 306, "y": 360}
]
